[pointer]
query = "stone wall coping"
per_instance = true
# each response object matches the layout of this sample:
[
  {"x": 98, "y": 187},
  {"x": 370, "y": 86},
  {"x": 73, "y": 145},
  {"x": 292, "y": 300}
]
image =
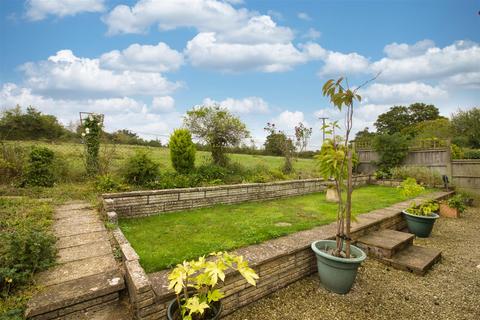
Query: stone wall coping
[
  {"x": 259, "y": 254},
  {"x": 107, "y": 196}
]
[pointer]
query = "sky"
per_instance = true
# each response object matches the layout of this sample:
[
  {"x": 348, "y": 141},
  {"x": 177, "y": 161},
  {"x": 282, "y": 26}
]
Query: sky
[{"x": 144, "y": 63}]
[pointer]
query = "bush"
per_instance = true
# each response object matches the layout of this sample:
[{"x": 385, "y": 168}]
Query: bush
[
  {"x": 392, "y": 149},
  {"x": 383, "y": 174},
  {"x": 422, "y": 175},
  {"x": 457, "y": 202},
  {"x": 140, "y": 169},
  {"x": 12, "y": 162},
  {"x": 107, "y": 183},
  {"x": 472, "y": 154},
  {"x": 182, "y": 151},
  {"x": 40, "y": 168},
  {"x": 457, "y": 152},
  {"x": 26, "y": 243},
  {"x": 410, "y": 188}
]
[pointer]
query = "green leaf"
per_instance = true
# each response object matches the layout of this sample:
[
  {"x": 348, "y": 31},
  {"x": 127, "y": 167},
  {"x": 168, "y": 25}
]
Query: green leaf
[
  {"x": 214, "y": 295},
  {"x": 195, "y": 306}
]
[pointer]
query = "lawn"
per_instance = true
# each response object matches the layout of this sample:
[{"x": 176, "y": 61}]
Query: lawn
[{"x": 167, "y": 239}]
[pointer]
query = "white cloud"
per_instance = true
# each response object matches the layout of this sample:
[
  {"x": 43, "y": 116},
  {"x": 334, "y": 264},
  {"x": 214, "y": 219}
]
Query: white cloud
[
  {"x": 163, "y": 104},
  {"x": 470, "y": 80},
  {"x": 245, "y": 105},
  {"x": 304, "y": 16},
  {"x": 64, "y": 74},
  {"x": 403, "y": 50},
  {"x": 339, "y": 64},
  {"x": 40, "y": 9},
  {"x": 402, "y": 93},
  {"x": 204, "y": 15},
  {"x": 207, "y": 52},
  {"x": 312, "y": 34},
  {"x": 287, "y": 120},
  {"x": 146, "y": 58},
  {"x": 120, "y": 113},
  {"x": 435, "y": 63}
]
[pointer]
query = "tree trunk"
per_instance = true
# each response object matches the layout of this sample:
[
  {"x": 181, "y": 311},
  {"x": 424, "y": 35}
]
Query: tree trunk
[{"x": 348, "y": 204}]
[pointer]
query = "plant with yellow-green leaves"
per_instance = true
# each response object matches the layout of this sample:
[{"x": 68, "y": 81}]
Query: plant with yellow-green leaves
[{"x": 195, "y": 282}]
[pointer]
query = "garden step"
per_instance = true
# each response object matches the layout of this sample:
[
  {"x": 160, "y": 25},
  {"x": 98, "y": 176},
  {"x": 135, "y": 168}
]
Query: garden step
[
  {"x": 385, "y": 243},
  {"x": 414, "y": 259},
  {"x": 72, "y": 296}
]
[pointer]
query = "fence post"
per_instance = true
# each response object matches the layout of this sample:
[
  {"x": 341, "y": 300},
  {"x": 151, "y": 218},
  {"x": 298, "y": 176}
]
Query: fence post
[{"x": 449, "y": 161}]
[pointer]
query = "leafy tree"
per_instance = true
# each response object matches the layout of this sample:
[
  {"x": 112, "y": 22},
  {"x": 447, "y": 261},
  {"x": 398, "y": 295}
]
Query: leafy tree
[
  {"x": 302, "y": 135},
  {"x": 392, "y": 150},
  {"x": 400, "y": 117},
  {"x": 40, "y": 168},
  {"x": 364, "y": 135},
  {"x": 30, "y": 125},
  {"x": 218, "y": 128},
  {"x": 278, "y": 143},
  {"x": 466, "y": 126},
  {"x": 439, "y": 128},
  {"x": 182, "y": 151}
]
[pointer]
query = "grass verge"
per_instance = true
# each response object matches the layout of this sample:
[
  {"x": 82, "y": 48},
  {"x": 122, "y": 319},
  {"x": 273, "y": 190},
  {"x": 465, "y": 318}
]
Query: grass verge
[{"x": 167, "y": 239}]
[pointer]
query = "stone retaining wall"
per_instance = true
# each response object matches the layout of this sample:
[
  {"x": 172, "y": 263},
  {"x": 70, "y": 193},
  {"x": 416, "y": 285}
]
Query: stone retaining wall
[
  {"x": 145, "y": 203},
  {"x": 279, "y": 262}
]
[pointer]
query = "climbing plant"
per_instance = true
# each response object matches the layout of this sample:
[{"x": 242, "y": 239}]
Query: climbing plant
[{"x": 92, "y": 126}]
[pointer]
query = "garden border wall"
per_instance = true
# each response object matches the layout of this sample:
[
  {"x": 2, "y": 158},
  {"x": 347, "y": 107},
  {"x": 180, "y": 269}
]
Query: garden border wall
[
  {"x": 144, "y": 203},
  {"x": 279, "y": 262}
]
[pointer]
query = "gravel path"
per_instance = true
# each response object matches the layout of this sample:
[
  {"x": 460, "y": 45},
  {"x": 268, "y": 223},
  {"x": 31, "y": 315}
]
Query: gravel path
[{"x": 450, "y": 290}]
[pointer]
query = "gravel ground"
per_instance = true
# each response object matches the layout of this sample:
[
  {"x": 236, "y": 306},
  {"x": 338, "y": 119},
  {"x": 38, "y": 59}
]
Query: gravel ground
[{"x": 450, "y": 290}]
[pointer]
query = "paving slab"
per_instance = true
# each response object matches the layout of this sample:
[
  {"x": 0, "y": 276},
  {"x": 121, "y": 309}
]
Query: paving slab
[
  {"x": 74, "y": 292},
  {"x": 65, "y": 230},
  {"x": 81, "y": 239},
  {"x": 415, "y": 259},
  {"x": 77, "y": 269},
  {"x": 89, "y": 250}
]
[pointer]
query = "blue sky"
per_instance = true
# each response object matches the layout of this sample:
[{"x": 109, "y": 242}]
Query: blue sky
[{"x": 144, "y": 63}]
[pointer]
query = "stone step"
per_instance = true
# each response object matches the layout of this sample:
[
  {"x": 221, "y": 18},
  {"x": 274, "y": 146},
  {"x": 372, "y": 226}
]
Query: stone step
[
  {"x": 414, "y": 259},
  {"x": 385, "y": 243},
  {"x": 69, "y": 297}
]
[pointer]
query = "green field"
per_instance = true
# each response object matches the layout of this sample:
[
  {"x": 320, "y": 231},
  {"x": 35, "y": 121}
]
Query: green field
[
  {"x": 167, "y": 239},
  {"x": 72, "y": 154}
]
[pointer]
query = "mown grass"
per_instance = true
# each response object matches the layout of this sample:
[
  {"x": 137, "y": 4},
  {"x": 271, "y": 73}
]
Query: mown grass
[{"x": 167, "y": 239}]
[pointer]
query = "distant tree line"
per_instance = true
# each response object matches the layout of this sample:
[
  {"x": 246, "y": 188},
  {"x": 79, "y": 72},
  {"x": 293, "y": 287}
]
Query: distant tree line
[{"x": 31, "y": 124}]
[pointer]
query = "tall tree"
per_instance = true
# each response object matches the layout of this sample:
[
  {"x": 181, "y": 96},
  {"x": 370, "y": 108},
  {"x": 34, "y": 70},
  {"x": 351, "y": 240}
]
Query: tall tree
[
  {"x": 400, "y": 117},
  {"x": 466, "y": 126},
  {"x": 217, "y": 127}
]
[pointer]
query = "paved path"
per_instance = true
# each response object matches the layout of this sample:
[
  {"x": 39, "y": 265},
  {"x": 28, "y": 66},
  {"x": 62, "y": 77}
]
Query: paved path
[{"x": 86, "y": 281}]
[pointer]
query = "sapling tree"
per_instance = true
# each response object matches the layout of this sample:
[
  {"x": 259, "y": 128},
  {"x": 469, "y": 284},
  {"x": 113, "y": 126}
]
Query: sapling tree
[
  {"x": 335, "y": 158},
  {"x": 302, "y": 135}
]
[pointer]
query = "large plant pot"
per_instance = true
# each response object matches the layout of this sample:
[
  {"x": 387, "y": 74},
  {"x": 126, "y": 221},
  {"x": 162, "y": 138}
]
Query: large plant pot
[
  {"x": 215, "y": 311},
  {"x": 421, "y": 226},
  {"x": 448, "y": 212},
  {"x": 332, "y": 195},
  {"x": 337, "y": 274}
]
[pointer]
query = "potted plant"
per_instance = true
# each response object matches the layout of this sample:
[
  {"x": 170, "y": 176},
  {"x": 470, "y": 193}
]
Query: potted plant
[
  {"x": 195, "y": 285},
  {"x": 338, "y": 260},
  {"x": 453, "y": 207},
  {"x": 421, "y": 218}
]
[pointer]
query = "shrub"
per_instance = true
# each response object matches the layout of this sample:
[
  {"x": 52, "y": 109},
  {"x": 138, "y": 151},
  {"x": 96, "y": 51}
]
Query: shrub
[
  {"x": 26, "y": 243},
  {"x": 40, "y": 168},
  {"x": 140, "y": 169},
  {"x": 425, "y": 209},
  {"x": 392, "y": 149},
  {"x": 383, "y": 174},
  {"x": 472, "y": 154},
  {"x": 12, "y": 162},
  {"x": 422, "y": 175},
  {"x": 107, "y": 183},
  {"x": 182, "y": 151},
  {"x": 457, "y": 202},
  {"x": 410, "y": 188},
  {"x": 457, "y": 152},
  {"x": 210, "y": 172}
]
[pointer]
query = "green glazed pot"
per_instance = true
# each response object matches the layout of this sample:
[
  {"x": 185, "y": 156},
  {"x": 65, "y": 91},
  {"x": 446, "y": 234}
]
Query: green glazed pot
[
  {"x": 214, "y": 312},
  {"x": 337, "y": 274},
  {"x": 421, "y": 226}
]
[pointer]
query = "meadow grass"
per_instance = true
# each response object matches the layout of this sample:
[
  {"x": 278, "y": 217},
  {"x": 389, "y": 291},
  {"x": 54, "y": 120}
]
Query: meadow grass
[{"x": 167, "y": 239}]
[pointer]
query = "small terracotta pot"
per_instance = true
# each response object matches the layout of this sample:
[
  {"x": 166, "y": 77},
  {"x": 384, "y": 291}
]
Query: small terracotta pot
[{"x": 447, "y": 212}]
